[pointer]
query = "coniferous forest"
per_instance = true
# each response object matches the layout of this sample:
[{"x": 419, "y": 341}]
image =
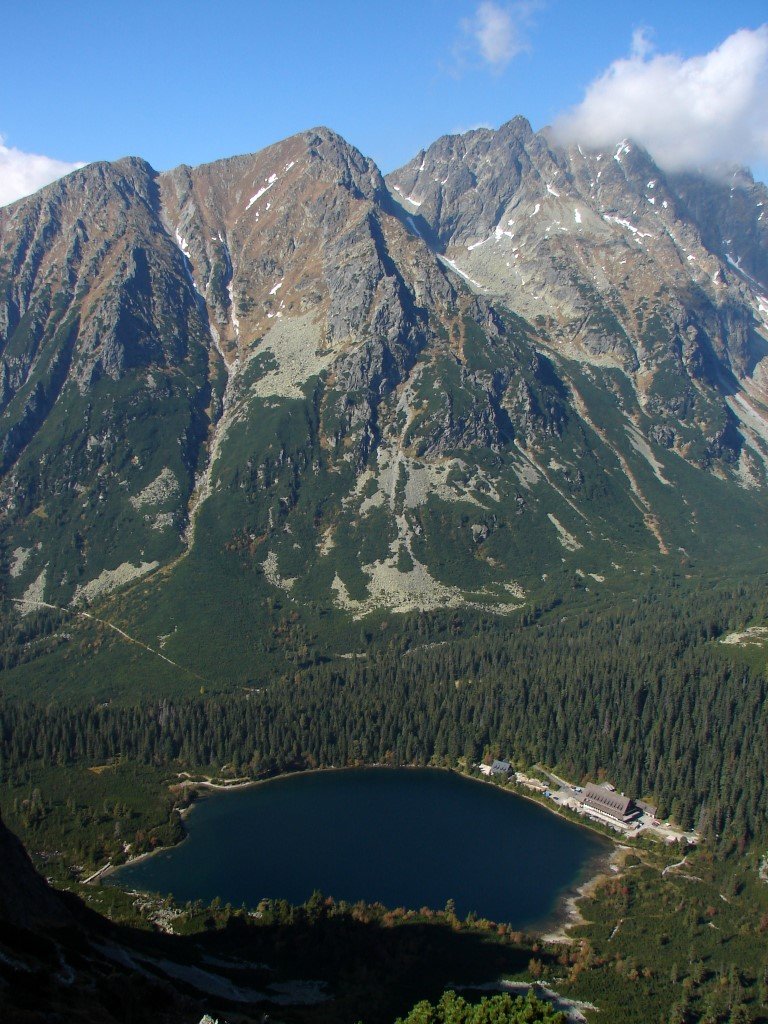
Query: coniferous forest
[
  {"x": 637, "y": 688},
  {"x": 643, "y": 694}
]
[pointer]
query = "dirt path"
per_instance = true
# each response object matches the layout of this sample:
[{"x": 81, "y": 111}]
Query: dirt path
[{"x": 25, "y": 602}]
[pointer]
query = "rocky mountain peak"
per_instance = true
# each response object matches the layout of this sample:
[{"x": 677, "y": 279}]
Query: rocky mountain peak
[
  {"x": 425, "y": 392},
  {"x": 258, "y": 231},
  {"x": 613, "y": 259}
]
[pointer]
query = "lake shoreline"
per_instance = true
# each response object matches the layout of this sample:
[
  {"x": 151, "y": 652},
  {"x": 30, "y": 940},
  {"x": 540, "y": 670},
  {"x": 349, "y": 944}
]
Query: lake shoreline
[
  {"x": 554, "y": 928},
  {"x": 570, "y": 916},
  {"x": 214, "y": 787}
]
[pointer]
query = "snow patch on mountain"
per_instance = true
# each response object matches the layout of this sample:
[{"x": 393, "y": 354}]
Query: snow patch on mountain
[{"x": 262, "y": 191}]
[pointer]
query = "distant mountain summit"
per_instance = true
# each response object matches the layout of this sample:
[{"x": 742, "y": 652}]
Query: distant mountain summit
[
  {"x": 278, "y": 380},
  {"x": 663, "y": 277}
]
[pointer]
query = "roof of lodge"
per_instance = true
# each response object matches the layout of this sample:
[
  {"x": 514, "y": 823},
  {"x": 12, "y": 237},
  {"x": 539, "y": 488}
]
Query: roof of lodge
[{"x": 604, "y": 800}]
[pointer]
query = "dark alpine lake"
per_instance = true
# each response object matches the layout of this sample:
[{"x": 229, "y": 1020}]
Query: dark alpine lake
[{"x": 402, "y": 837}]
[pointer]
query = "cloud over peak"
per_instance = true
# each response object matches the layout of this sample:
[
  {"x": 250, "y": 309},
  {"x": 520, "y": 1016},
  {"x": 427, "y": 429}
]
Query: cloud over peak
[
  {"x": 21, "y": 173},
  {"x": 688, "y": 113},
  {"x": 496, "y": 32}
]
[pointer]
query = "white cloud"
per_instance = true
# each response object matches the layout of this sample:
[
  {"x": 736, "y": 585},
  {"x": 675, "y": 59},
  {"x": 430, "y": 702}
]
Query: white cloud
[
  {"x": 642, "y": 43},
  {"x": 497, "y": 33},
  {"x": 21, "y": 173},
  {"x": 696, "y": 112}
]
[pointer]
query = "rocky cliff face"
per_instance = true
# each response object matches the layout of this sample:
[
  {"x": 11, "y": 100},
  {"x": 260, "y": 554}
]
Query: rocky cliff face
[
  {"x": 25, "y": 899},
  {"x": 103, "y": 347},
  {"x": 60, "y": 961},
  {"x": 278, "y": 378},
  {"x": 618, "y": 265},
  {"x": 136, "y": 305}
]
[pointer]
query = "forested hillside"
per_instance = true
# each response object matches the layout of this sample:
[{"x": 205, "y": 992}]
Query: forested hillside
[{"x": 641, "y": 692}]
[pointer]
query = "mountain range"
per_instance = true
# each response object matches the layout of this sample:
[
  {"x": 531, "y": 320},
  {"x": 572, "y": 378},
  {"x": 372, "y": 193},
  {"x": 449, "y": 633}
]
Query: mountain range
[{"x": 250, "y": 408}]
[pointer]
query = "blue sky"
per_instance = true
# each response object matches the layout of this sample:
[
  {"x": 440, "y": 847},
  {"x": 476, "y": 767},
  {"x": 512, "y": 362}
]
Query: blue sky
[{"x": 194, "y": 80}]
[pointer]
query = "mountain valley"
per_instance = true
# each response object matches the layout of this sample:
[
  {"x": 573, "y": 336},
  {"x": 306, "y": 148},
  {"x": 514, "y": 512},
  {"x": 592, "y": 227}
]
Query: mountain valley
[{"x": 280, "y": 381}]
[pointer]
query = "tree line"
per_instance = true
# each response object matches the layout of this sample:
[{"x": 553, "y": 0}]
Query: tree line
[{"x": 642, "y": 695}]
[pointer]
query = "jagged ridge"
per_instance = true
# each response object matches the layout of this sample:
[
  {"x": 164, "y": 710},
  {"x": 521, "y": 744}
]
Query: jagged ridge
[{"x": 271, "y": 375}]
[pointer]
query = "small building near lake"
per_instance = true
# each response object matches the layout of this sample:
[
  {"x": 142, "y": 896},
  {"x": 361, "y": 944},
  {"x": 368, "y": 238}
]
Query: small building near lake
[
  {"x": 496, "y": 768},
  {"x": 604, "y": 802}
]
